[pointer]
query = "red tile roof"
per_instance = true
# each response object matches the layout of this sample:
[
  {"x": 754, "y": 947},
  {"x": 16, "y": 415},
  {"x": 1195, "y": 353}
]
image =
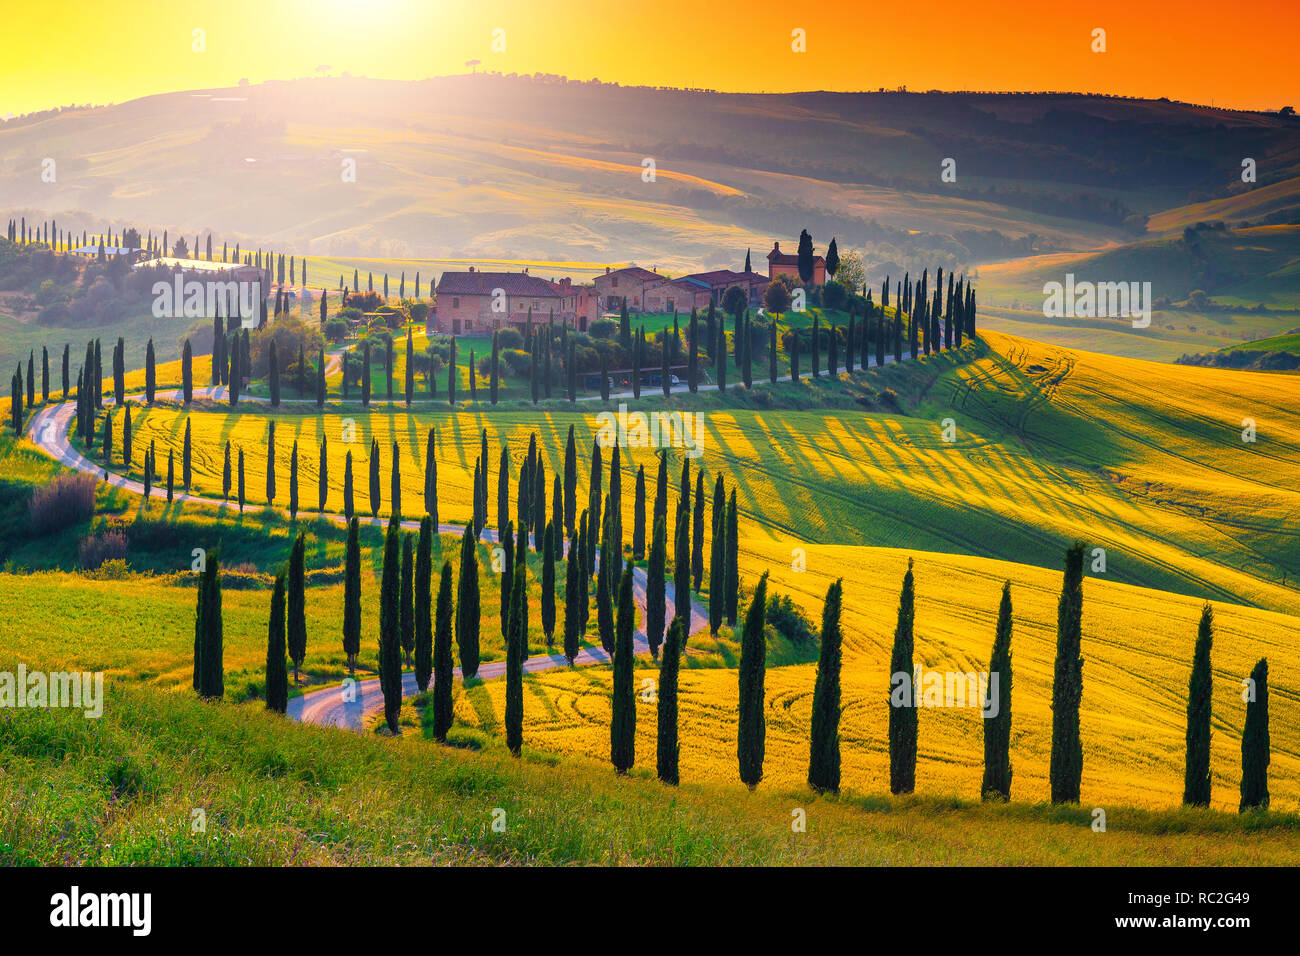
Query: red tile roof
[
  {"x": 485, "y": 283},
  {"x": 636, "y": 272}
]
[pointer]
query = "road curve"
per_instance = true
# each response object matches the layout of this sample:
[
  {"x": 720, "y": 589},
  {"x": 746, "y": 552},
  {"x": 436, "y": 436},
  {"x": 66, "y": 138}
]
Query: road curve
[{"x": 327, "y": 706}]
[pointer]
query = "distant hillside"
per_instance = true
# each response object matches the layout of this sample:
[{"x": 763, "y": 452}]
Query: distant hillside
[{"x": 490, "y": 166}]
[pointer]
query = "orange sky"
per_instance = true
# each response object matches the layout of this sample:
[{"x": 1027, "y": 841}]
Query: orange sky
[{"x": 91, "y": 51}]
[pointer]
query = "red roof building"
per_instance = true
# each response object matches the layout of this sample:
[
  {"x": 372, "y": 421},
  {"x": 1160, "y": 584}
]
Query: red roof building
[{"x": 779, "y": 263}]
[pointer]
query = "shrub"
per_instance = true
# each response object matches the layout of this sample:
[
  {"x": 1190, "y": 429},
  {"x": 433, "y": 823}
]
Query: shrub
[
  {"x": 336, "y": 330},
  {"x": 114, "y": 569},
  {"x": 789, "y": 621},
  {"x": 67, "y": 500},
  {"x": 95, "y": 549},
  {"x": 603, "y": 329}
]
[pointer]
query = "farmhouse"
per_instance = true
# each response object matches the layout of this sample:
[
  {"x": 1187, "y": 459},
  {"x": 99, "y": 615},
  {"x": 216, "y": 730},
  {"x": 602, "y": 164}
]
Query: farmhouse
[
  {"x": 624, "y": 286},
  {"x": 779, "y": 263},
  {"x": 720, "y": 280},
  {"x": 481, "y": 302},
  {"x": 678, "y": 295}
]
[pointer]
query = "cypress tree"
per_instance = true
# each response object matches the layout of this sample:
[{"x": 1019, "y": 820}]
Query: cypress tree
[
  {"x": 186, "y": 456},
  {"x": 352, "y": 596},
  {"x": 557, "y": 517},
  {"x": 997, "y": 714},
  {"x": 1255, "y": 745},
  {"x": 1196, "y": 778},
  {"x": 274, "y": 375},
  {"x": 521, "y": 561},
  {"x": 661, "y": 487},
  {"x": 656, "y": 598},
  {"x": 322, "y": 475},
  {"x": 697, "y": 533},
  {"x": 365, "y": 375},
  {"x": 423, "y": 607},
  {"x": 902, "y": 698},
  {"x": 666, "y": 747},
  {"x": 1066, "y": 768},
  {"x": 187, "y": 372},
  {"x": 732, "y": 559},
  {"x": 277, "y": 684},
  {"x": 751, "y": 738},
  {"x": 106, "y": 443},
  {"x": 395, "y": 490},
  {"x": 507, "y": 576},
  {"x": 150, "y": 374},
  {"x": 375, "y": 494},
  {"x": 442, "y": 662},
  {"x": 45, "y": 374},
  {"x": 211, "y": 672},
  {"x": 347, "y": 487},
  {"x": 604, "y": 601},
  {"x": 682, "y": 565},
  {"x": 270, "y": 464},
  {"x": 390, "y": 634},
  {"x": 225, "y": 468},
  {"x": 406, "y": 607},
  {"x": 293, "y": 481},
  {"x": 320, "y": 379},
  {"x": 570, "y": 483},
  {"x": 467, "y": 606},
  {"x": 410, "y": 368},
  {"x": 431, "y": 478},
  {"x": 548, "y": 583},
  {"x": 824, "y": 749},
  {"x": 171, "y": 474},
  {"x": 638, "y": 516},
  {"x": 240, "y": 489},
  {"x": 515, "y": 641},
  {"x": 622, "y": 725},
  {"x": 297, "y": 625},
  {"x": 575, "y": 590}
]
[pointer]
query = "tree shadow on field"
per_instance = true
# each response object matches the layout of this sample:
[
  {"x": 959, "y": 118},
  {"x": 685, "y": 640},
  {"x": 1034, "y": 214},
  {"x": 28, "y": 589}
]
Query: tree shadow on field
[{"x": 479, "y": 698}]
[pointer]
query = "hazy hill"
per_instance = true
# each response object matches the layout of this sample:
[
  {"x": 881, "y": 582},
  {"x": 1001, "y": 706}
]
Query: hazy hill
[{"x": 544, "y": 169}]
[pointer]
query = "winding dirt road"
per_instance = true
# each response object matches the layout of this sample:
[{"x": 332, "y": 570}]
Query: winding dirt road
[{"x": 328, "y": 706}]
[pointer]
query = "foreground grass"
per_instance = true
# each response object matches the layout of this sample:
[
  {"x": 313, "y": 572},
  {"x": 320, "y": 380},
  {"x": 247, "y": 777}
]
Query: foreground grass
[{"x": 125, "y": 789}]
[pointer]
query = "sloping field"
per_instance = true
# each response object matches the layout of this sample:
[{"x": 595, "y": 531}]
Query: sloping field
[
  {"x": 1137, "y": 648},
  {"x": 1142, "y": 459}
]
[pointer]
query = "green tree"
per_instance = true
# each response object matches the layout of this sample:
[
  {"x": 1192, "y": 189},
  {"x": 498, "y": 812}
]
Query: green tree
[
  {"x": 824, "y": 749},
  {"x": 751, "y": 739},
  {"x": 732, "y": 559},
  {"x": 1066, "y": 769},
  {"x": 667, "y": 749},
  {"x": 352, "y": 596},
  {"x": 902, "y": 697},
  {"x": 515, "y": 641},
  {"x": 1255, "y": 745},
  {"x": 277, "y": 684},
  {"x": 390, "y": 635},
  {"x": 656, "y": 598},
  {"x": 622, "y": 726},
  {"x": 431, "y": 478},
  {"x": 997, "y": 713},
  {"x": 442, "y": 665},
  {"x": 423, "y": 609},
  {"x": 406, "y": 610},
  {"x": 638, "y": 516},
  {"x": 467, "y": 606},
  {"x": 1196, "y": 778},
  {"x": 548, "y": 583},
  {"x": 297, "y": 624}
]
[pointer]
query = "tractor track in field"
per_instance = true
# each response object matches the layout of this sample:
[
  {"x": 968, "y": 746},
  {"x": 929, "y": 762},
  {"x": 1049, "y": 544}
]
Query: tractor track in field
[{"x": 330, "y": 706}]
